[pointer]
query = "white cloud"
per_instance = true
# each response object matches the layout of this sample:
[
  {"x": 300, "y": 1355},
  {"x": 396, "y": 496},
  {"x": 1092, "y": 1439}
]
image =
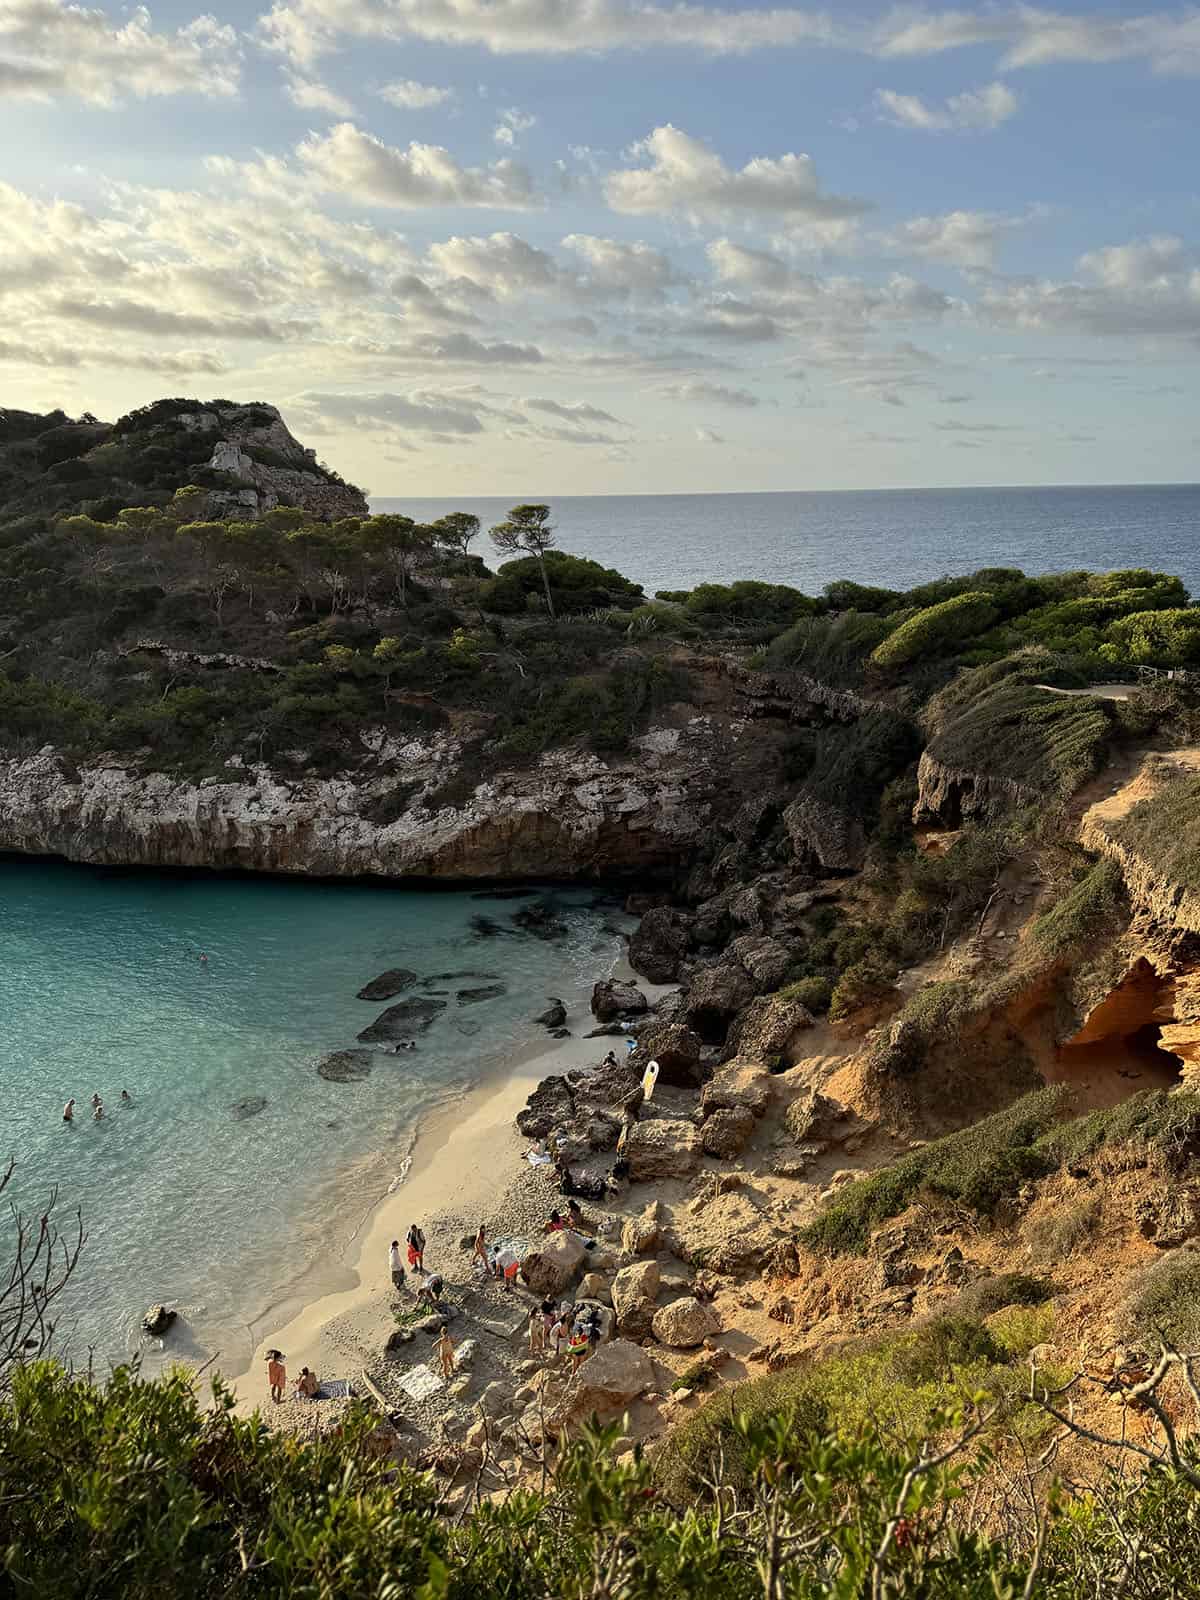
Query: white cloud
[
  {"x": 50, "y": 50},
  {"x": 709, "y": 436},
  {"x": 962, "y": 238},
  {"x": 975, "y": 110},
  {"x": 613, "y": 267},
  {"x": 1031, "y": 36},
  {"x": 573, "y": 411},
  {"x": 685, "y": 176},
  {"x": 409, "y": 95},
  {"x": 428, "y": 411},
  {"x": 512, "y": 124},
  {"x": 698, "y": 391},
  {"x": 312, "y": 95},
  {"x": 349, "y": 162},
  {"x": 1141, "y": 264}
]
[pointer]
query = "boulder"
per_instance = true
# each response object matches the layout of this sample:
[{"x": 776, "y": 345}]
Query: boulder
[
  {"x": 397, "y": 1339},
  {"x": 737, "y": 1086},
  {"x": 394, "y": 981},
  {"x": 554, "y": 1016},
  {"x": 684, "y": 1324},
  {"x": 157, "y": 1320},
  {"x": 550, "y": 1103},
  {"x": 633, "y": 1293},
  {"x": 726, "y": 1233},
  {"x": 659, "y": 945},
  {"x": 726, "y": 1133},
  {"x": 612, "y": 1088},
  {"x": 767, "y": 1026},
  {"x": 641, "y": 1234},
  {"x": 765, "y": 961},
  {"x": 606, "y": 1383},
  {"x": 346, "y": 1066},
  {"x": 465, "y": 1355},
  {"x": 676, "y": 1049},
  {"x": 595, "y": 1287},
  {"x": 813, "y": 1118},
  {"x": 495, "y": 1401},
  {"x": 823, "y": 831},
  {"x": 398, "y": 1021},
  {"x": 714, "y": 999},
  {"x": 611, "y": 998},
  {"x": 660, "y": 1149},
  {"x": 553, "y": 1266}
]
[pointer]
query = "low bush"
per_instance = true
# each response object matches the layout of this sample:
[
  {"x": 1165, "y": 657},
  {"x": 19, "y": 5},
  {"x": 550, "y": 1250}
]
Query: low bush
[
  {"x": 814, "y": 993},
  {"x": 1096, "y": 906},
  {"x": 978, "y": 1166},
  {"x": 937, "y": 630},
  {"x": 1167, "y": 1306},
  {"x": 1165, "y": 1121},
  {"x": 986, "y": 1295},
  {"x": 863, "y": 984},
  {"x": 1060, "y": 1232},
  {"x": 1164, "y": 831}
]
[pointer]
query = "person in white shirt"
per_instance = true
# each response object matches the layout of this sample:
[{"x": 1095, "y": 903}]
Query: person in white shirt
[{"x": 396, "y": 1264}]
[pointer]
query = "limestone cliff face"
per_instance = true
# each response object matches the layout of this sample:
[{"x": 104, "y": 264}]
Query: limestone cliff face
[
  {"x": 949, "y": 795},
  {"x": 572, "y": 815},
  {"x": 269, "y": 466}
]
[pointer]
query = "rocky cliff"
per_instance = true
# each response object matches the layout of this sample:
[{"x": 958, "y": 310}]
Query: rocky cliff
[{"x": 570, "y": 815}]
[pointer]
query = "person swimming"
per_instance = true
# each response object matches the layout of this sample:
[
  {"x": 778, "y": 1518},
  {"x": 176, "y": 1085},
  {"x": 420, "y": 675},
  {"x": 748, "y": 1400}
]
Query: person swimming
[
  {"x": 126, "y": 1098},
  {"x": 69, "y": 1110}
]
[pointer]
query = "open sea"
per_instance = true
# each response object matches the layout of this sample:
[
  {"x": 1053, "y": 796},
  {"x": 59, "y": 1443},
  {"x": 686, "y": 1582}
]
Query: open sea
[
  {"x": 894, "y": 538},
  {"x": 227, "y": 1209},
  {"x": 238, "y": 1171}
]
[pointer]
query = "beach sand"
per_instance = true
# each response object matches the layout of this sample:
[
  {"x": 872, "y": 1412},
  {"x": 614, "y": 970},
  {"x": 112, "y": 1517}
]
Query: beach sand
[{"x": 465, "y": 1156}]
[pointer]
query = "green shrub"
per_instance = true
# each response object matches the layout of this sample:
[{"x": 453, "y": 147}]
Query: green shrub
[
  {"x": 1095, "y": 907},
  {"x": 1165, "y": 1121},
  {"x": 987, "y": 1295},
  {"x": 576, "y": 583},
  {"x": 1167, "y": 1306},
  {"x": 814, "y": 993},
  {"x": 861, "y": 985},
  {"x": 978, "y": 1166},
  {"x": 936, "y": 630}
]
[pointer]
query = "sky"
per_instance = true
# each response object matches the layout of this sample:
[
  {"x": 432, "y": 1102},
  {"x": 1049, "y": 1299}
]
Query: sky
[{"x": 539, "y": 247}]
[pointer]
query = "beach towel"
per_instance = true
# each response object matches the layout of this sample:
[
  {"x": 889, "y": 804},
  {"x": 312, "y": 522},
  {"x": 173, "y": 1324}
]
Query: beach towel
[
  {"x": 421, "y": 1383},
  {"x": 334, "y": 1389},
  {"x": 535, "y": 1158}
]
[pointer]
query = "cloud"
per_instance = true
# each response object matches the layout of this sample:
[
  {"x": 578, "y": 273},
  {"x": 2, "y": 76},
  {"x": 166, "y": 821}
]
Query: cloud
[
  {"x": 50, "y": 50},
  {"x": 1141, "y": 264},
  {"x": 409, "y": 95},
  {"x": 1031, "y": 37},
  {"x": 975, "y": 110},
  {"x": 684, "y": 176},
  {"x": 976, "y": 427},
  {"x": 613, "y": 267},
  {"x": 305, "y": 28},
  {"x": 709, "y": 436},
  {"x": 719, "y": 394},
  {"x": 962, "y": 238},
  {"x": 574, "y": 411},
  {"x": 137, "y": 317},
  {"x": 349, "y": 162},
  {"x": 420, "y": 411},
  {"x": 311, "y": 95},
  {"x": 512, "y": 124}
]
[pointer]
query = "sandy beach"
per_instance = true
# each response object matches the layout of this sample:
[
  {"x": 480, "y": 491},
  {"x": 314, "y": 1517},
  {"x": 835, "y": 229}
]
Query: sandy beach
[{"x": 466, "y": 1154}]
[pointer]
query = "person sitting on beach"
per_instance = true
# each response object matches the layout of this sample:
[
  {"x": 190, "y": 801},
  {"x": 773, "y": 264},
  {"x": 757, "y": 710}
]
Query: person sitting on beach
[
  {"x": 276, "y": 1374},
  {"x": 537, "y": 1331},
  {"x": 396, "y": 1265},
  {"x": 69, "y": 1110},
  {"x": 479, "y": 1253},
  {"x": 307, "y": 1384},
  {"x": 416, "y": 1248},
  {"x": 574, "y": 1214},
  {"x": 555, "y": 1225},
  {"x": 610, "y": 1060},
  {"x": 444, "y": 1345}
]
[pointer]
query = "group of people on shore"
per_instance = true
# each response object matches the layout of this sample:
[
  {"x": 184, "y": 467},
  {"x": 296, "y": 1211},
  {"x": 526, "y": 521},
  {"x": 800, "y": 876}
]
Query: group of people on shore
[
  {"x": 306, "y": 1385},
  {"x": 97, "y": 1106},
  {"x": 555, "y": 1327}
]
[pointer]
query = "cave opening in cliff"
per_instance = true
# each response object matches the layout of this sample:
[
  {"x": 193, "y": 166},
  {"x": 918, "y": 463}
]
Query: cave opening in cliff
[{"x": 1118, "y": 1051}]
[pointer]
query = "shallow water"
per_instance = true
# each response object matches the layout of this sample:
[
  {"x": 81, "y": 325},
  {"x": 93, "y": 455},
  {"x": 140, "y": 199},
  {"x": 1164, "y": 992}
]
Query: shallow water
[{"x": 185, "y": 1201}]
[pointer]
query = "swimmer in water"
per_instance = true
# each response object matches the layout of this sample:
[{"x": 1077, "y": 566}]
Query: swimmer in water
[
  {"x": 69, "y": 1110},
  {"x": 203, "y": 959},
  {"x": 98, "y": 1111},
  {"x": 126, "y": 1098}
]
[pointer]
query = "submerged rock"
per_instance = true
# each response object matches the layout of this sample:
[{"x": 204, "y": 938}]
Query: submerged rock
[
  {"x": 458, "y": 977},
  {"x": 345, "y": 1066},
  {"x": 487, "y": 991},
  {"x": 399, "y": 1020},
  {"x": 394, "y": 981},
  {"x": 250, "y": 1107},
  {"x": 541, "y": 920}
]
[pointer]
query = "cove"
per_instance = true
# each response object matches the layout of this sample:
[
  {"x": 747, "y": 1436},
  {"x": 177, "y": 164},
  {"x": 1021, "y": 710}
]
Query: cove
[{"x": 238, "y": 1170}]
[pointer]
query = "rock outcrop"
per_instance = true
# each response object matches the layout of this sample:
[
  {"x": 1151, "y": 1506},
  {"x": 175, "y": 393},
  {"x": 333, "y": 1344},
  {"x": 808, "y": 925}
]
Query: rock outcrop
[
  {"x": 612, "y": 998},
  {"x": 554, "y": 1265},
  {"x": 661, "y": 1149},
  {"x": 684, "y": 1323},
  {"x": 570, "y": 815},
  {"x": 726, "y": 1133}
]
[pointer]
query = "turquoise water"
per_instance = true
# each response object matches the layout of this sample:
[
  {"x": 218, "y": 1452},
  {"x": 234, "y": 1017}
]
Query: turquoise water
[{"x": 102, "y": 988}]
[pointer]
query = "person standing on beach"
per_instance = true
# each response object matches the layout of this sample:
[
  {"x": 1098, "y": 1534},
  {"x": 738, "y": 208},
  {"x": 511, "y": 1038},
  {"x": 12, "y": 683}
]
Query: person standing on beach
[
  {"x": 416, "y": 1248},
  {"x": 480, "y": 1251},
  {"x": 396, "y": 1265},
  {"x": 69, "y": 1110},
  {"x": 276, "y": 1374},
  {"x": 537, "y": 1331},
  {"x": 444, "y": 1345}
]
